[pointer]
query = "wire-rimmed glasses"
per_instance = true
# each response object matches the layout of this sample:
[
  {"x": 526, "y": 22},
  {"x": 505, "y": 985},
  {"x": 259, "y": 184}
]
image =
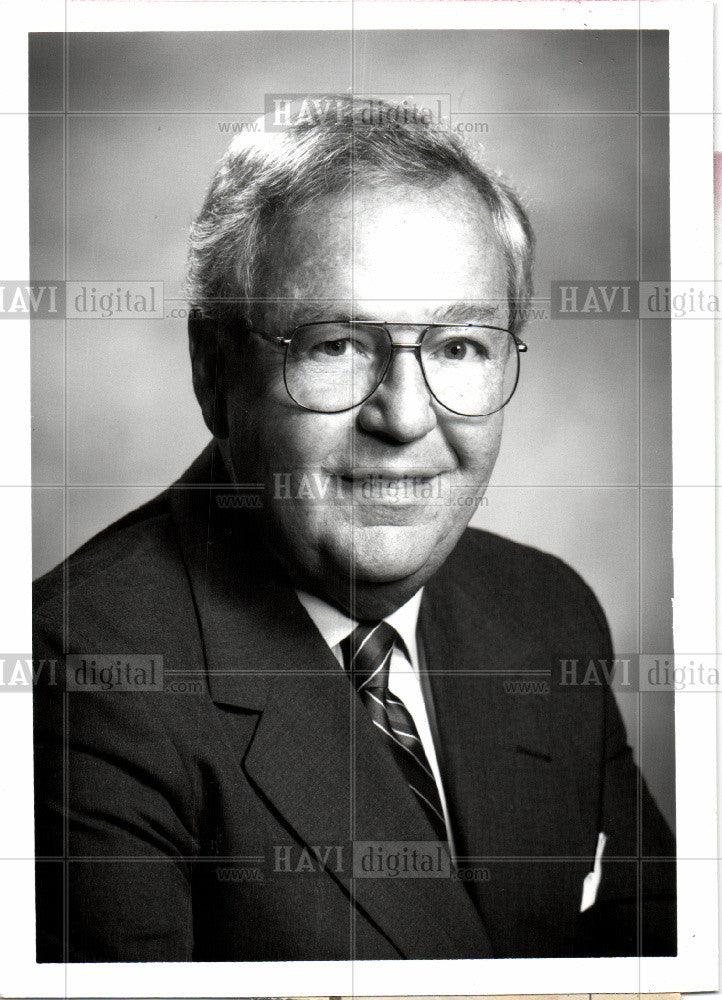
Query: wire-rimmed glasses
[{"x": 335, "y": 365}]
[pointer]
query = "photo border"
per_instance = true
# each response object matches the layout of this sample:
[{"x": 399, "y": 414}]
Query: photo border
[{"x": 693, "y": 389}]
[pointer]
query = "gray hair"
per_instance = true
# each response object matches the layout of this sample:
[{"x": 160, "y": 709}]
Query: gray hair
[{"x": 264, "y": 175}]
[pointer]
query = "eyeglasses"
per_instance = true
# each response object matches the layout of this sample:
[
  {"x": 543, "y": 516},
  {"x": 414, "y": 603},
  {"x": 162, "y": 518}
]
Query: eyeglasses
[{"x": 335, "y": 365}]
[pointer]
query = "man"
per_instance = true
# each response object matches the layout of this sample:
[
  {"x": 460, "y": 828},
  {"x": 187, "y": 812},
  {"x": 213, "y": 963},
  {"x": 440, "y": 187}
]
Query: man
[{"x": 337, "y": 766}]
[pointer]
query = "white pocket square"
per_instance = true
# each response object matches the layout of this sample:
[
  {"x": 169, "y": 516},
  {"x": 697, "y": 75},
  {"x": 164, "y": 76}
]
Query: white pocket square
[{"x": 592, "y": 880}]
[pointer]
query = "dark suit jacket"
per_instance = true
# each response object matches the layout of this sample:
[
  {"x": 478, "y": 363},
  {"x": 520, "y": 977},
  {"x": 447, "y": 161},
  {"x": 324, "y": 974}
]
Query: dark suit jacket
[{"x": 219, "y": 823}]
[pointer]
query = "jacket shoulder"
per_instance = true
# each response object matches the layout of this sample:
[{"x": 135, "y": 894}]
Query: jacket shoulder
[
  {"x": 145, "y": 536},
  {"x": 119, "y": 543},
  {"x": 527, "y": 579},
  {"x": 123, "y": 583}
]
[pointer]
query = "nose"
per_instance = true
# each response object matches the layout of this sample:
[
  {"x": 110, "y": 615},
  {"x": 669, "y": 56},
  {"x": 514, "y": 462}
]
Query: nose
[{"x": 401, "y": 408}]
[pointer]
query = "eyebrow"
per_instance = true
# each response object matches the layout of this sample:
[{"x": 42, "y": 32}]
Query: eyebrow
[
  {"x": 468, "y": 312},
  {"x": 455, "y": 312}
]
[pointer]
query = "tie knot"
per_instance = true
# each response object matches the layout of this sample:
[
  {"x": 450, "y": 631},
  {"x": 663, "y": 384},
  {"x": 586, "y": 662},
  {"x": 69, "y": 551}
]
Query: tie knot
[{"x": 367, "y": 655}]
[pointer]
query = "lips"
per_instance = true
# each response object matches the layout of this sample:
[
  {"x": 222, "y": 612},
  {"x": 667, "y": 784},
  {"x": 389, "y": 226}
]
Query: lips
[
  {"x": 391, "y": 475},
  {"x": 380, "y": 477},
  {"x": 392, "y": 487},
  {"x": 382, "y": 484}
]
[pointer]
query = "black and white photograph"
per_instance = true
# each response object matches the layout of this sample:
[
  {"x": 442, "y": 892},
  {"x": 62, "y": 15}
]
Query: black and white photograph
[{"x": 366, "y": 647}]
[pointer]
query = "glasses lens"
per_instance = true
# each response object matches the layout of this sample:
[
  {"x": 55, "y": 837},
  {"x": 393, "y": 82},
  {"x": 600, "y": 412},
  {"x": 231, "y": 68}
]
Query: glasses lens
[
  {"x": 472, "y": 370},
  {"x": 334, "y": 366}
]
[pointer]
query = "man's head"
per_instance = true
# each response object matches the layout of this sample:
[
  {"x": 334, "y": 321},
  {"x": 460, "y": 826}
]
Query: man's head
[{"x": 369, "y": 479}]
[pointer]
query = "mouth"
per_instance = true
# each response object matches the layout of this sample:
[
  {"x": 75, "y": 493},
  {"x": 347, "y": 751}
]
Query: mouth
[
  {"x": 360, "y": 472},
  {"x": 388, "y": 477},
  {"x": 393, "y": 487}
]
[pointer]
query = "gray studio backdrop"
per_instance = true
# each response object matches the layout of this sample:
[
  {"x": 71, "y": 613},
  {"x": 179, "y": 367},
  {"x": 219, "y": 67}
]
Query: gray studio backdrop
[{"x": 577, "y": 121}]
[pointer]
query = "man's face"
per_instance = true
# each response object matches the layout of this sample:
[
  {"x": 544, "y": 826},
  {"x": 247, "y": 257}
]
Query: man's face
[{"x": 379, "y": 493}]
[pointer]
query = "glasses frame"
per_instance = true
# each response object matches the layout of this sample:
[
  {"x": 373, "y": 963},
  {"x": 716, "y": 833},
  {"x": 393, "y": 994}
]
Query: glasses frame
[{"x": 285, "y": 341}]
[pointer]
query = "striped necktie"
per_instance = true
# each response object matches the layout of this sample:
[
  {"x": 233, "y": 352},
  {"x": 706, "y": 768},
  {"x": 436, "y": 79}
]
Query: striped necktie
[{"x": 367, "y": 657}]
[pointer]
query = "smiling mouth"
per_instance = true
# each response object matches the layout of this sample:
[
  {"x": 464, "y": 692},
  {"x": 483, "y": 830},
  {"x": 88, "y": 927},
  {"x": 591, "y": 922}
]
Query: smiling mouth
[
  {"x": 393, "y": 488},
  {"x": 390, "y": 477}
]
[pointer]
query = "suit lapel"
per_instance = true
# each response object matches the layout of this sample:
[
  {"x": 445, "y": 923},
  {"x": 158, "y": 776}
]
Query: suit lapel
[
  {"x": 319, "y": 761},
  {"x": 315, "y": 755}
]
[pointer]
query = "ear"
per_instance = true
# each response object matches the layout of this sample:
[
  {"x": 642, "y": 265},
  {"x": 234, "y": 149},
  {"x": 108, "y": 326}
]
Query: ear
[{"x": 204, "y": 341}]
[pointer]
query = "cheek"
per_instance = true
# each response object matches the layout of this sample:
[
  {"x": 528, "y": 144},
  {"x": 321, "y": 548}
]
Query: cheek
[
  {"x": 269, "y": 433},
  {"x": 476, "y": 445},
  {"x": 305, "y": 440}
]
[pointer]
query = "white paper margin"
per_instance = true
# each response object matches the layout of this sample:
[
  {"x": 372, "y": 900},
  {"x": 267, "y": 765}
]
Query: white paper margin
[{"x": 690, "y": 25}]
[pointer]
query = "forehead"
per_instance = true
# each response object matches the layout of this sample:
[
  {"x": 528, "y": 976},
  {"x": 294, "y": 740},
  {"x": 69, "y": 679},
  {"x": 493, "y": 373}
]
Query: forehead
[{"x": 392, "y": 249}]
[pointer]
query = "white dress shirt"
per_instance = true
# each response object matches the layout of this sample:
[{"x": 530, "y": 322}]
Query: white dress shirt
[{"x": 405, "y": 680}]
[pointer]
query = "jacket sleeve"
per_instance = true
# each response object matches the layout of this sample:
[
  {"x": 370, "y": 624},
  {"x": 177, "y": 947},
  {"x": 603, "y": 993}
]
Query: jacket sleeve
[{"x": 112, "y": 849}]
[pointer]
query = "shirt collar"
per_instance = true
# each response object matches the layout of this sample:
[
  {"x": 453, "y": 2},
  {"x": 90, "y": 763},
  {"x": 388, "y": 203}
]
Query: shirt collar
[{"x": 334, "y": 625}]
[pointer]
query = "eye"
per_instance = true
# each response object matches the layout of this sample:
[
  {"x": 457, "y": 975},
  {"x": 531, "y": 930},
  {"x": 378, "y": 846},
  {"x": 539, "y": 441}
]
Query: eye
[
  {"x": 455, "y": 350},
  {"x": 333, "y": 348},
  {"x": 463, "y": 349}
]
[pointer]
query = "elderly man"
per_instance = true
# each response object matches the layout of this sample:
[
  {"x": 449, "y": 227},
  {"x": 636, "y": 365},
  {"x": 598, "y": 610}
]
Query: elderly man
[{"x": 335, "y": 764}]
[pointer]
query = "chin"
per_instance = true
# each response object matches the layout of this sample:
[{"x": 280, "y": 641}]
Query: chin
[{"x": 387, "y": 554}]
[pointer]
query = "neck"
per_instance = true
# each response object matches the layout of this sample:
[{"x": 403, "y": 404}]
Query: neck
[{"x": 360, "y": 600}]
